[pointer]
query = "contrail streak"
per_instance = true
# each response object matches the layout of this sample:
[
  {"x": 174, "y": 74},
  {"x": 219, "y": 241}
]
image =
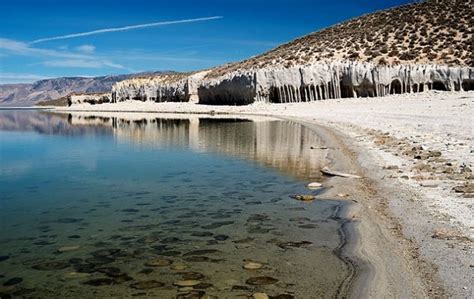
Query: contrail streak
[{"x": 124, "y": 28}]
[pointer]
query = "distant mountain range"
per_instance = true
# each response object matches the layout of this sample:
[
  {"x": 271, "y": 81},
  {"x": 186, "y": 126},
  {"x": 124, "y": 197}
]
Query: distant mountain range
[{"x": 21, "y": 95}]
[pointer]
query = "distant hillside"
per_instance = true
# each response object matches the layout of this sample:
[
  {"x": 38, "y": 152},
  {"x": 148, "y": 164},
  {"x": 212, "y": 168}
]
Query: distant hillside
[
  {"x": 52, "y": 89},
  {"x": 439, "y": 32}
]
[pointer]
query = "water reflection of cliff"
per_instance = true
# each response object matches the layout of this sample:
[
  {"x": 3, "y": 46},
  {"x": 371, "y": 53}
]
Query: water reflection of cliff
[
  {"x": 283, "y": 145},
  {"x": 45, "y": 123}
]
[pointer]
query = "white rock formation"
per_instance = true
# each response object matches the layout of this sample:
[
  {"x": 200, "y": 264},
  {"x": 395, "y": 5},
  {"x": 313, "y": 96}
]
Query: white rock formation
[
  {"x": 91, "y": 98},
  {"x": 277, "y": 84},
  {"x": 163, "y": 88},
  {"x": 323, "y": 80}
]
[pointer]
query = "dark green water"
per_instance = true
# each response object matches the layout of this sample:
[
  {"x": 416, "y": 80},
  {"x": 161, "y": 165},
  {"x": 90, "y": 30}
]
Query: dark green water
[{"x": 120, "y": 206}]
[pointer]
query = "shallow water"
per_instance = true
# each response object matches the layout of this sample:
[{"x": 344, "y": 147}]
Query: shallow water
[{"x": 130, "y": 204}]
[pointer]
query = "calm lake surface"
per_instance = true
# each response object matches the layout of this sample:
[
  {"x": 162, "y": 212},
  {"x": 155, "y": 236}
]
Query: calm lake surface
[{"x": 163, "y": 206}]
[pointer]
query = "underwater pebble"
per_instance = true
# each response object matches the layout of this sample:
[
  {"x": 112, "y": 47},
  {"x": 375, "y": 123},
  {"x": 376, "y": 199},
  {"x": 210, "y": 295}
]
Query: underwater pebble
[
  {"x": 252, "y": 266},
  {"x": 260, "y": 296},
  {"x": 13, "y": 281},
  {"x": 48, "y": 266},
  {"x": 261, "y": 280},
  {"x": 186, "y": 283},
  {"x": 98, "y": 282},
  {"x": 146, "y": 285},
  {"x": 221, "y": 237},
  {"x": 314, "y": 185},
  {"x": 68, "y": 248},
  {"x": 179, "y": 267},
  {"x": 74, "y": 275},
  {"x": 158, "y": 263},
  {"x": 304, "y": 197}
]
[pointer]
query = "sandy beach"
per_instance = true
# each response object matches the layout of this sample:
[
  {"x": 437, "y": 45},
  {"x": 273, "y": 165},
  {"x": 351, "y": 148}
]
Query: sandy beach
[{"x": 414, "y": 205}]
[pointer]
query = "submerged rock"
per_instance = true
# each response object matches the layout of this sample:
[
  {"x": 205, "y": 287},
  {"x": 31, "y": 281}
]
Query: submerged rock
[
  {"x": 261, "y": 280},
  {"x": 147, "y": 284},
  {"x": 201, "y": 252},
  {"x": 49, "y": 266},
  {"x": 13, "y": 281},
  {"x": 186, "y": 283},
  {"x": 304, "y": 197},
  {"x": 314, "y": 185},
  {"x": 4, "y": 258},
  {"x": 252, "y": 266},
  {"x": 159, "y": 263},
  {"x": 98, "y": 282}
]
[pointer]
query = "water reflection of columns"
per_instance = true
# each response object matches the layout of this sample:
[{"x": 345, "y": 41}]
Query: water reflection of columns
[{"x": 194, "y": 133}]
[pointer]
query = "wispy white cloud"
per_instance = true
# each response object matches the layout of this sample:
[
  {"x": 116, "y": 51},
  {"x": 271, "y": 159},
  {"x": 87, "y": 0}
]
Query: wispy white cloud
[
  {"x": 125, "y": 28},
  {"x": 86, "y": 48},
  {"x": 82, "y": 63},
  {"x": 18, "y": 77},
  {"x": 68, "y": 58}
]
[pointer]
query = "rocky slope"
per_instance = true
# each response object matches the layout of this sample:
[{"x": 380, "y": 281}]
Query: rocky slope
[
  {"x": 52, "y": 89},
  {"x": 411, "y": 48}
]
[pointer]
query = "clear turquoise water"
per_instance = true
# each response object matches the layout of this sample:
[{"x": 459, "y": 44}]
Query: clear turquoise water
[{"x": 141, "y": 188}]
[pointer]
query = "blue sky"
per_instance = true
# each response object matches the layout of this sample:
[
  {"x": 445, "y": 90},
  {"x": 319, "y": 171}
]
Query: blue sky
[{"x": 247, "y": 28}]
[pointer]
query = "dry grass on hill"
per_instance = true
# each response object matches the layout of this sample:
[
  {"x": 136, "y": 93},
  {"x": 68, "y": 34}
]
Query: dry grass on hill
[{"x": 430, "y": 32}]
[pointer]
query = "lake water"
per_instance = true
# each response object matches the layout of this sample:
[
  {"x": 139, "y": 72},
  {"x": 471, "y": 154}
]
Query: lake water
[{"x": 166, "y": 206}]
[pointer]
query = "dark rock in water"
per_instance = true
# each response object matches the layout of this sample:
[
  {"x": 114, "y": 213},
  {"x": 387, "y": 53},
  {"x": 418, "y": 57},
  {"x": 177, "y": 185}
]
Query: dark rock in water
[
  {"x": 201, "y": 252},
  {"x": 5, "y": 296},
  {"x": 159, "y": 263},
  {"x": 13, "y": 281},
  {"x": 221, "y": 237},
  {"x": 43, "y": 243},
  {"x": 98, "y": 282},
  {"x": 240, "y": 288},
  {"x": 147, "y": 284},
  {"x": 308, "y": 226},
  {"x": 84, "y": 268},
  {"x": 217, "y": 224},
  {"x": 75, "y": 261},
  {"x": 197, "y": 259},
  {"x": 121, "y": 278},
  {"x": 282, "y": 296},
  {"x": 105, "y": 252},
  {"x": 191, "y": 275},
  {"x": 146, "y": 271},
  {"x": 100, "y": 260},
  {"x": 4, "y": 258},
  {"x": 74, "y": 237},
  {"x": 49, "y": 266},
  {"x": 298, "y": 244},
  {"x": 300, "y": 219},
  {"x": 202, "y": 234},
  {"x": 110, "y": 271},
  {"x": 261, "y": 280},
  {"x": 69, "y": 220},
  {"x": 195, "y": 294}
]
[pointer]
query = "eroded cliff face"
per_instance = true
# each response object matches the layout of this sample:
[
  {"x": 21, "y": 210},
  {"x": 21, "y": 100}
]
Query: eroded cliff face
[
  {"x": 305, "y": 83},
  {"x": 179, "y": 87},
  {"x": 89, "y": 98},
  {"x": 340, "y": 79}
]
